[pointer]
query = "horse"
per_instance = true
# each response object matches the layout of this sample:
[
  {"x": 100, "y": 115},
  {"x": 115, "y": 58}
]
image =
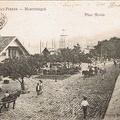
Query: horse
[{"x": 10, "y": 99}]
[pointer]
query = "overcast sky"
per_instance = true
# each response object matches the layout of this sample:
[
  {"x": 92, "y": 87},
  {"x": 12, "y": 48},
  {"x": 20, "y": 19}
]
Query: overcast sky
[{"x": 46, "y": 25}]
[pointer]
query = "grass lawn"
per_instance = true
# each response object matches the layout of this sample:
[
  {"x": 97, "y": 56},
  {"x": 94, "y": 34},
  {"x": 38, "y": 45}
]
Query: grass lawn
[{"x": 61, "y": 100}]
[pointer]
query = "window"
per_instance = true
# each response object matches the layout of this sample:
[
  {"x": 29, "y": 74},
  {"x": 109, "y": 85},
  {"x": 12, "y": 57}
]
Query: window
[{"x": 12, "y": 52}]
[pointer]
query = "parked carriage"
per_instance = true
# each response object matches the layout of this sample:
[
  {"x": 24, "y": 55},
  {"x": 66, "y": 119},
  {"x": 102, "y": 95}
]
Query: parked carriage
[{"x": 90, "y": 72}]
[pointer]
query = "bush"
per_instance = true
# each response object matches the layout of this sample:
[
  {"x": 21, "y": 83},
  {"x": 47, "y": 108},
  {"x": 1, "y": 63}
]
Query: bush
[
  {"x": 51, "y": 72},
  {"x": 76, "y": 69},
  {"x": 62, "y": 71},
  {"x": 71, "y": 71}
]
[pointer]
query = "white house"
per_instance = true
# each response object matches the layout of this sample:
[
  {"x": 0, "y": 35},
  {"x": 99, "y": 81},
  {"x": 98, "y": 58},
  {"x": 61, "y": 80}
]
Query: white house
[{"x": 11, "y": 47}]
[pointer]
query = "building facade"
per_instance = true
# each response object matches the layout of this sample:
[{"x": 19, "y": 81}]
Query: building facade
[{"x": 11, "y": 47}]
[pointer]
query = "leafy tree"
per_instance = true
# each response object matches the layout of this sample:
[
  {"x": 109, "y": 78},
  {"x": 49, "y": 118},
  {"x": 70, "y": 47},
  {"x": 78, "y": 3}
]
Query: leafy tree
[
  {"x": 36, "y": 62},
  {"x": 66, "y": 55},
  {"x": 107, "y": 48},
  {"x": 53, "y": 58},
  {"x": 115, "y": 47},
  {"x": 17, "y": 69},
  {"x": 77, "y": 54}
]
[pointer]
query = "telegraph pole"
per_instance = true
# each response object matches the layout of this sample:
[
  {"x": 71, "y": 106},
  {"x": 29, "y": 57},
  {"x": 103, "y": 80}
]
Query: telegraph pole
[
  {"x": 40, "y": 46},
  {"x": 29, "y": 44},
  {"x": 46, "y": 44},
  {"x": 52, "y": 44}
]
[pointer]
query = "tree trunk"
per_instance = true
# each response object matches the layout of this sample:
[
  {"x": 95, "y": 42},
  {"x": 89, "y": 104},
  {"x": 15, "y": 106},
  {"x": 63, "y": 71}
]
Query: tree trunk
[{"x": 22, "y": 84}]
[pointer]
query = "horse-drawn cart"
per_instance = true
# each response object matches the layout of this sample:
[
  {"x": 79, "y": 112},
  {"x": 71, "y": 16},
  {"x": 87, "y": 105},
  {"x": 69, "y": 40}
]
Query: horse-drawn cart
[
  {"x": 5, "y": 101},
  {"x": 90, "y": 72}
]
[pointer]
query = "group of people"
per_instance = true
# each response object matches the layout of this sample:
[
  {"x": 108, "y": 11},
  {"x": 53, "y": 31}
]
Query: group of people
[
  {"x": 39, "y": 89},
  {"x": 7, "y": 95}
]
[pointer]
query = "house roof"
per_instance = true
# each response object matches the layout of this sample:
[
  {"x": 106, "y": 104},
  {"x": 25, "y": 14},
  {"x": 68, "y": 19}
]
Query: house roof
[
  {"x": 45, "y": 51},
  {"x": 6, "y": 40}
]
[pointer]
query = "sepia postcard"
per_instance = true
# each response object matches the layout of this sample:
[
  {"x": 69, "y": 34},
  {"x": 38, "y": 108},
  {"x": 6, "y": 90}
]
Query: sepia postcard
[{"x": 59, "y": 60}]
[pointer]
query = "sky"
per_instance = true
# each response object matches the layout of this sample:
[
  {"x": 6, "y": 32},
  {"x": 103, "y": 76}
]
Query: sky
[{"x": 46, "y": 26}]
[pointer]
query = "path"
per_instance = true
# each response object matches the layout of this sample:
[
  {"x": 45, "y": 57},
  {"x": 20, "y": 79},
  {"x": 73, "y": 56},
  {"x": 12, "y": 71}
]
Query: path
[
  {"x": 59, "y": 101},
  {"x": 51, "y": 105}
]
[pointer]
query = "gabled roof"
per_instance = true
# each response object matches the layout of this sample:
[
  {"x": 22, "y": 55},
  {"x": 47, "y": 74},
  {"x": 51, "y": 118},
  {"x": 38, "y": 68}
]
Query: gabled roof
[
  {"x": 45, "y": 51},
  {"x": 6, "y": 40}
]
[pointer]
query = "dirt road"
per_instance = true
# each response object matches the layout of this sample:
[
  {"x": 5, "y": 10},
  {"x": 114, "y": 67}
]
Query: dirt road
[{"x": 61, "y": 100}]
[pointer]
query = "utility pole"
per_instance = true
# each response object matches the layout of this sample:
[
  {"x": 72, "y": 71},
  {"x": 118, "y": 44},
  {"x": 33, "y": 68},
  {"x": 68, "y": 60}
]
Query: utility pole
[
  {"x": 100, "y": 44},
  {"x": 46, "y": 44},
  {"x": 52, "y": 44},
  {"x": 23, "y": 42},
  {"x": 40, "y": 46},
  {"x": 29, "y": 44}
]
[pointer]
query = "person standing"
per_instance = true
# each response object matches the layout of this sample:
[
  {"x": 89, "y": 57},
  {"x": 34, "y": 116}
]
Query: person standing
[
  {"x": 84, "y": 105},
  {"x": 115, "y": 63},
  {"x": 5, "y": 96},
  {"x": 38, "y": 89},
  {"x": 104, "y": 63},
  {"x": 96, "y": 70},
  {"x": 41, "y": 86},
  {"x": 103, "y": 73}
]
